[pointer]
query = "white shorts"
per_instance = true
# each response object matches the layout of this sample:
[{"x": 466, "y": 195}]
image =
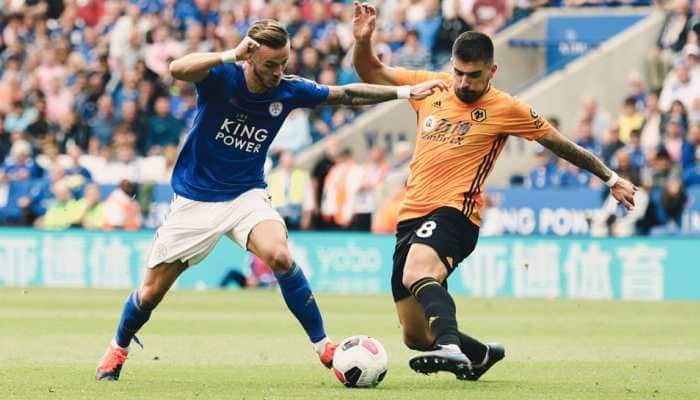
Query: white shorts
[{"x": 192, "y": 228}]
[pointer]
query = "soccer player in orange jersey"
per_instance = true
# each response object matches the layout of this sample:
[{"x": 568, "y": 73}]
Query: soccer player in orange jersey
[{"x": 460, "y": 135}]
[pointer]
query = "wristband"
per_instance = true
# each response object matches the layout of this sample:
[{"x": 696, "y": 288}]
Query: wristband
[
  {"x": 613, "y": 179},
  {"x": 403, "y": 92},
  {"x": 228, "y": 56}
]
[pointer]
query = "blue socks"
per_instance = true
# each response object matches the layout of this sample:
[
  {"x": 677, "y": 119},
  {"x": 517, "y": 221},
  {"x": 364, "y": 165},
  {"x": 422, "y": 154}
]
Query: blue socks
[
  {"x": 297, "y": 294},
  {"x": 133, "y": 318}
]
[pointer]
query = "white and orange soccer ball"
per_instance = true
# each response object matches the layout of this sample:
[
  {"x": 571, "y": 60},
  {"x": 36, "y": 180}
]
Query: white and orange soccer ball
[{"x": 360, "y": 361}]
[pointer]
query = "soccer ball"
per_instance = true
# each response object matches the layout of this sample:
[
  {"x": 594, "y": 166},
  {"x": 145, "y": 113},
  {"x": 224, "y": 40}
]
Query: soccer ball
[{"x": 360, "y": 361}]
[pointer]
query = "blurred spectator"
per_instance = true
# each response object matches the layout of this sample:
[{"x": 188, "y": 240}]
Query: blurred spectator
[
  {"x": 319, "y": 173},
  {"x": 611, "y": 219},
  {"x": 661, "y": 170},
  {"x": 426, "y": 24},
  {"x": 586, "y": 140},
  {"x": 694, "y": 25},
  {"x": 259, "y": 276},
  {"x": 5, "y": 142},
  {"x": 691, "y": 158},
  {"x": 629, "y": 119},
  {"x": 694, "y": 114},
  {"x": 63, "y": 212},
  {"x": 19, "y": 117},
  {"x": 490, "y": 15},
  {"x": 636, "y": 90},
  {"x": 635, "y": 150},
  {"x": 40, "y": 129},
  {"x": 20, "y": 166},
  {"x": 134, "y": 121},
  {"x": 163, "y": 50},
  {"x": 569, "y": 176},
  {"x": 291, "y": 192},
  {"x": 412, "y": 55},
  {"x": 673, "y": 140},
  {"x": 77, "y": 176},
  {"x": 651, "y": 131},
  {"x": 92, "y": 207},
  {"x": 103, "y": 123},
  {"x": 454, "y": 22},
  {"x": 598, "y": 118},
  {"x": 163, "y": 128},
  {"x": 59, "y": 100},
  {"x": 691, "y": 147},
  {"x": 671, "y": 40},
  {"x": 679, "y": 86},
  {"x": 121, "y": 211},
  {"x": 340, "y": 190},
  {"x": 611, "y": 144},
  {"x": 373, "y": 174},
  {"x": 544, "y": 174}
]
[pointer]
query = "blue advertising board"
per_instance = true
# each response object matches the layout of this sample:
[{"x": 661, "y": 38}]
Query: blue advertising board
[
  {"x": 569, "y": 37},
  {"x": 544, "y": 267},
  {"x": 560, "y": 212}
]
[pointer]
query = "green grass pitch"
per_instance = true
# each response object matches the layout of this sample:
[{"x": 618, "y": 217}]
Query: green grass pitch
[{"x": 245, "y": 345}]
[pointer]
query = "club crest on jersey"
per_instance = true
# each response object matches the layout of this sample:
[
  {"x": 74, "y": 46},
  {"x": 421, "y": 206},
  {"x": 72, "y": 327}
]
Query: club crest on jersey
[
  {"x": 275, "y": 108},
  {"x": 478, "y": 115},
  {"x": 429, "y": 123}
]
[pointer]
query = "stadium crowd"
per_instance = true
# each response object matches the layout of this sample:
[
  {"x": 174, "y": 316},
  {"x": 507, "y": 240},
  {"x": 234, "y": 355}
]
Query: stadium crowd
[
  {"x": 86, "y": 95},
  {"x": 655, "y": 139},
  {"x": 91, "y": 120}
]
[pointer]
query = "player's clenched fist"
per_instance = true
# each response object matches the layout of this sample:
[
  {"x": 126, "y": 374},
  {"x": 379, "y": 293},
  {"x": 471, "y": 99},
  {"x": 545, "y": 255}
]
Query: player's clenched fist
[
  {"x": 427, "y": 88},
  {"x": 245, "y": 48},
  {"x": 364, "y": 21}
]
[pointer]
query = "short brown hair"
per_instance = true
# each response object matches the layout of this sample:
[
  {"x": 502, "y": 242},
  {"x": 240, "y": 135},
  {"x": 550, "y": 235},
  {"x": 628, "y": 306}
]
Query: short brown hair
[
  {"x": 473, "y": 46},
  {"x": 269, "y": 32}
]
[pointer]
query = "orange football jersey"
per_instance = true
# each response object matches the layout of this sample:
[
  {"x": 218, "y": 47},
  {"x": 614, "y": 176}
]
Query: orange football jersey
[{"x": 457, "y": 145}]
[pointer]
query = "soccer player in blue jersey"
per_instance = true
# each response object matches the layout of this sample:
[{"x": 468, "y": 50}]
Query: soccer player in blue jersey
[{"x": 243, "y": 99}]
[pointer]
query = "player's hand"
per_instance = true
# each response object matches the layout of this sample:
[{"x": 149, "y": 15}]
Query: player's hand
[
  {"x": 427, "y": 88},
  {"x": 364, "y": 20},
  {"x": 623, "y": 192},
  {"x": 246, "y": 48}
]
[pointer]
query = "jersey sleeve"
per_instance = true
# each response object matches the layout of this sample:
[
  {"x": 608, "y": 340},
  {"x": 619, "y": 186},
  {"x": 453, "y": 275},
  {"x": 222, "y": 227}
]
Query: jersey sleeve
[
  {"x": 409, "y": 77},
  {"x": 309, "y": 94},
  {"x": 523, "y": 121},
  {"x": 213, "y": 84}
]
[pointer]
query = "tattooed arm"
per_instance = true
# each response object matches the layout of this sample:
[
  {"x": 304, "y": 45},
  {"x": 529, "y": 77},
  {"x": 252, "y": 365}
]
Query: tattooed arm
[
  {"x": 356, "y": 94},
  {"x": 575, "y": 154},
  {"x": 623, "y": 190}
]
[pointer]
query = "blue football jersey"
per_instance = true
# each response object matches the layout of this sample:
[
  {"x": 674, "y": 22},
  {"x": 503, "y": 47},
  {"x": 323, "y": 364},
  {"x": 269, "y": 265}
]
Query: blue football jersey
[{"x": 224, "y": 153}]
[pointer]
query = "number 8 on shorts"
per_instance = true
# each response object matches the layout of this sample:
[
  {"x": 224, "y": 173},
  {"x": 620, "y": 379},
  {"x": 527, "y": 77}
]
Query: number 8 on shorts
[{"x": 426, "y": 230}]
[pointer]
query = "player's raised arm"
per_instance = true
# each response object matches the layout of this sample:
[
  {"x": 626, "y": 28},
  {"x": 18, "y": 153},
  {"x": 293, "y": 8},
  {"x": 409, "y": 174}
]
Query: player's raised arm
[
  {"x": 368, "y": 66},
  {"x": 194, "y": 67},
  {"x": 622, "y": 189},
  {"x": 356, "y": 94}
]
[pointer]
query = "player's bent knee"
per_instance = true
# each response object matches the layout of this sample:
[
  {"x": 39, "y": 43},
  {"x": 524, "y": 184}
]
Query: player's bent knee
[
  {"x": 279, "y": 259},
  {"x": 413, "y": 275}
]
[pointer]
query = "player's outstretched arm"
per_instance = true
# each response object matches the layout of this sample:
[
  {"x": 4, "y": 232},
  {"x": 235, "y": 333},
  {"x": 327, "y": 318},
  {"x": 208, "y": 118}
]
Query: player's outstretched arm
[
  {"x": 622, "y": 189},
  {"x": 368, "y": 66},
  {"x": 195, "y": 67},
  {"x": 357, "y": 94}
]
